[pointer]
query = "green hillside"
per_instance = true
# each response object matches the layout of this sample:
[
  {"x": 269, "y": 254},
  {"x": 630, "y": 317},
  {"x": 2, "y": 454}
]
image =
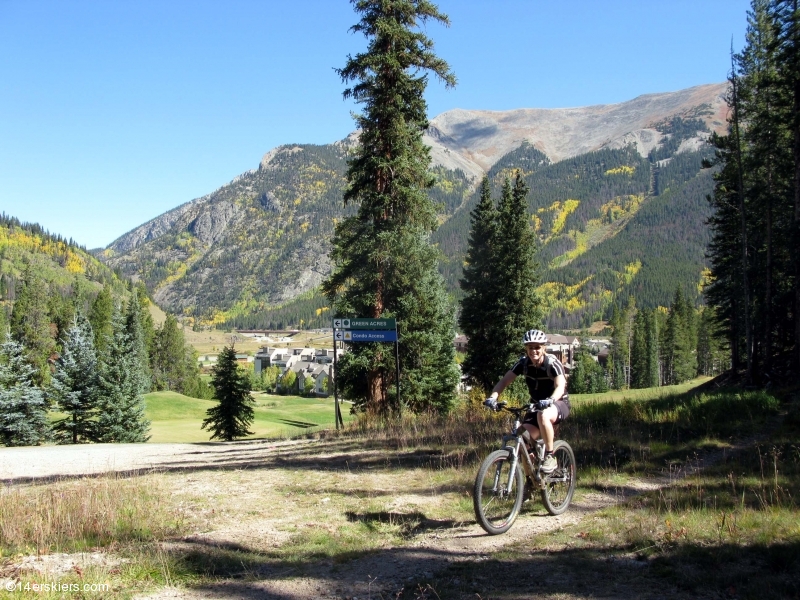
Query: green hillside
[{"x": 68, "y": 269}]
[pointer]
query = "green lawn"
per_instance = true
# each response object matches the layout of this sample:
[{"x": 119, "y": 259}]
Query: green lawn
[{"x": 177, "y": 418}]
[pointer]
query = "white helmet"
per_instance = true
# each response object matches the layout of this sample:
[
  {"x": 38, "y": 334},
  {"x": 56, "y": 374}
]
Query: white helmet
[{"x": 534, "y": 336}]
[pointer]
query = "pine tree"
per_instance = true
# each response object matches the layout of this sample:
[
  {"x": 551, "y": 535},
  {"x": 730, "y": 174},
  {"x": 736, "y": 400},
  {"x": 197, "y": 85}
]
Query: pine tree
[
  {"x": 121, "y": 407},
  {"x": 100, "y": 316},
  {"x": 23, "y": 411},
  {"x": 644, "y": 350},
  {"x": 653, "y": 365},
  {"x": 639, "y": 355},
  {"x": 232, "y": 417},
  {"x": 479, "y": 283},
  {"x": 137, "y": 343},
  {"x": 384, "y": 265},
  {"x": 30, "y": 323},
  {"x": 517, "y": 305},
  {"x": 678, "y": 352},
  {"x": 622, "y": 324},
  {"x": 588, "y": 376},
  {"x": 167, "y": 359},
  {"x": 73, "y": 389}
]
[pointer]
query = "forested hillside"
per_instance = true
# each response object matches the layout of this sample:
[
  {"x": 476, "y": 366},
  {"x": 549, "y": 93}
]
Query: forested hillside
[
  {"x": 627, "y": 217},
  {"x": 241, "y": 254},
  {"x": 67, "y": 269},
  {"x": 610, "y": 223}
]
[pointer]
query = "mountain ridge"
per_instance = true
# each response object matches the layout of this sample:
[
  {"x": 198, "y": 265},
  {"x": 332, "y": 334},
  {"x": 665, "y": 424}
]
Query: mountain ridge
[{"x": 262, "y": 240}]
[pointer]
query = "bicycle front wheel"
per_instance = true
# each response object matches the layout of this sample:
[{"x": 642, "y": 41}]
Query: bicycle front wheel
[
  {"x": 497, "y": 495},
  {"x": 559, "y": 486}
]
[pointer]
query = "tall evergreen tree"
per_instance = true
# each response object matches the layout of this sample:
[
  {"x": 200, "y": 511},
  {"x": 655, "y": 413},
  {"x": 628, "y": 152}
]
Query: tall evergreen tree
[
  {"x": 653, "y": 365},
  {"x": 30, "y": 323},
  {"x": 167, "y": 359},
  {"x": 23, "y": 411},
  {"x": 384, "y": 265},
  {"x": 644, "y": 350},
  {"x": 100, "y": 316},
  {"x": 479, "y": 283},
  {"x": 137, "y": 343},
  {"x": 121, "y": 407},
  {"x": 757, "y": 200},
  {"x": 639, "y": 355},
  {"x": 232, "y": 417},
  {"x": 73, "y": 389},
  {"x": 622, "y": 325},
  {"x": 518, "y": 306},
  {"x": 677, "y": 350}
]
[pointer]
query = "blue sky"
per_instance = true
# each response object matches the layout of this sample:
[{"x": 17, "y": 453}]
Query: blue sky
[{"x": 113, "y": 112}]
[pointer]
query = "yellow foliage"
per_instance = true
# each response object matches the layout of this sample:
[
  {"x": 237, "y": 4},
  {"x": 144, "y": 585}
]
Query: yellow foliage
[
  {"x": 322, "y": 310},
  {"x": 304, "y": 226},
  {"x": 706, "y": 277},
  {"x": 561, "y": 217},
  {"x": 445, "y": 185},
  {"x": 297, "y": 201},
  {"x": 74, "y": 264},
  {"x": 623, "y": 170}
]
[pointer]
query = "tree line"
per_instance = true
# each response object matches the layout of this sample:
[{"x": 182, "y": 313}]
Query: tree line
[
  {"x": 75, "y": 368},
  {"x": 755, "y": 257}
]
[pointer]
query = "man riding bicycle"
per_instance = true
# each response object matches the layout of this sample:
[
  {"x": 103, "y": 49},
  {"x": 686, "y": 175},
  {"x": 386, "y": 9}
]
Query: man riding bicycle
[{"x": 547, "y": 385}]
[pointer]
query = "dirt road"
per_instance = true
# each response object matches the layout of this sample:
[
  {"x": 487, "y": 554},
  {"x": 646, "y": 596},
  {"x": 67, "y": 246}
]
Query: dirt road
[{"x": 259, "y": 473}]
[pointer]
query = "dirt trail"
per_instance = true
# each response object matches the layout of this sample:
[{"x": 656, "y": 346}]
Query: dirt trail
[{"x": 454, "y": 548}]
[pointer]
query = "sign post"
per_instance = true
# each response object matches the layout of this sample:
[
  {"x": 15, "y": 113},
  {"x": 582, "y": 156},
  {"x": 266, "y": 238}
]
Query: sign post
[{"x": 365, "y": 329}]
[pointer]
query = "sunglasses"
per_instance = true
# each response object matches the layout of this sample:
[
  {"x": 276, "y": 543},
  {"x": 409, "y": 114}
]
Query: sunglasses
[{"x": 533, "y": 347}]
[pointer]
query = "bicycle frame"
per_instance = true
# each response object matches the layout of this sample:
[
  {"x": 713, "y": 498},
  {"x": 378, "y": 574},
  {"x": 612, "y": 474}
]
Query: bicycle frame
[{"x": 518, "y": 448}]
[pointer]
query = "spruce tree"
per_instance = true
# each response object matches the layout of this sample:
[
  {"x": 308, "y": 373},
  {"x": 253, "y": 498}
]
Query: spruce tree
[
  {"x": 167, "y": 359},
  {"x": 383, "y": 264},
  {"x": 74, "y": 386},
  {"x": 677, "y": 350},
  {"x": 639, "y": 354},
  {"x": 100, "y": 315},
  {"x": 479, "y": 283},
  {"x": 30, "y": 323},
  {"x": 23, "y": 410},
  {"x": 517, "y": 303},
  {"x": 121, "y": 407},
  {"x": 653, "y": 365},
  {"x": 134, "y": 328},
  {"x": 232, "y": 417}
]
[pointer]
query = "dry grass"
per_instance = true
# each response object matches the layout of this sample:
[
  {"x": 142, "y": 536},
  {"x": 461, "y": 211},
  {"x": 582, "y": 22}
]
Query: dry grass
[{"x": 76, "y": 515}]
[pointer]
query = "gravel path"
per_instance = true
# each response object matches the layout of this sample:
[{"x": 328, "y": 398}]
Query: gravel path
[{"x": 29, "y": 464}]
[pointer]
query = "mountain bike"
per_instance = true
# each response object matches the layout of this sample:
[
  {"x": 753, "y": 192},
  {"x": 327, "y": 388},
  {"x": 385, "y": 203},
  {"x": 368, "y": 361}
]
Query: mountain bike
[{"x": 500, "y": 487}]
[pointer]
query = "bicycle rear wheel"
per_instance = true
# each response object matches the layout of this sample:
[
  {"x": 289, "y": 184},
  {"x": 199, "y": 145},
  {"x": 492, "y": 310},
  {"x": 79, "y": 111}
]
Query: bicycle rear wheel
[
  {"x": 497, "y": 495},
  {"x": 560, "y": 484}
]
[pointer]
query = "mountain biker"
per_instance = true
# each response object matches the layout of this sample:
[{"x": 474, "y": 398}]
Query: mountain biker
[{"x": 547, "y": 385}]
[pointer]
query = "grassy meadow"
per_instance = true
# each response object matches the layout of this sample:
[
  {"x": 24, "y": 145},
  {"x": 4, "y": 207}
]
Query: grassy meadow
[
  {"x": 177, "y": 418},
  {"x": 701, "y": 490}
]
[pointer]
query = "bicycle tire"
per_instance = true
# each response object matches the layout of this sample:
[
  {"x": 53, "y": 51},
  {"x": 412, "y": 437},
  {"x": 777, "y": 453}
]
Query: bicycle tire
[
  {"x": 560, "y": 484},
  {"x": 497, "y": 507}
]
